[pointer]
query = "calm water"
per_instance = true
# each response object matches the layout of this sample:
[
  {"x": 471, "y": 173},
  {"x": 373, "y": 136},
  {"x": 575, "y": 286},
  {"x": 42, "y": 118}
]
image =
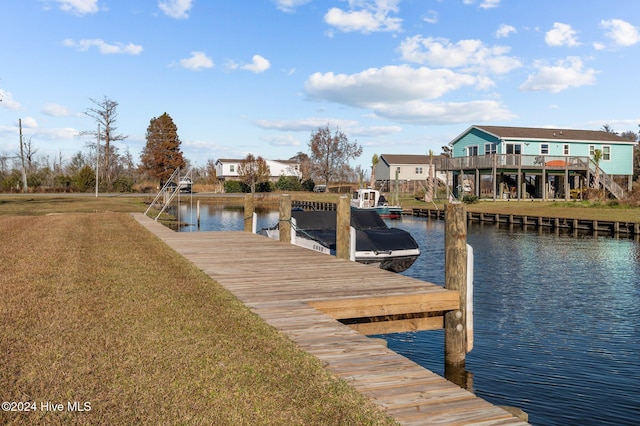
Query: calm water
[{"x": 557, "y": 318}]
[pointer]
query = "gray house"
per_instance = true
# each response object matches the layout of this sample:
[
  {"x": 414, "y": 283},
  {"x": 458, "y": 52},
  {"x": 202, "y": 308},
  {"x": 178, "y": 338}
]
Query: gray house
[
  {"x": 525, "y": 162},
  {"x": 411, "y": 171}
]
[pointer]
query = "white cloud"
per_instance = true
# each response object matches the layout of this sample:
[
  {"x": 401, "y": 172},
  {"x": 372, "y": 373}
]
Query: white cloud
[
  {"x": 485, "y": 4},
  {"x": 302, "y": 125},
  {"x": 621, "y": 32},
  {"x": 55, "y": 110},
  {"x": 430, "y": 113},
  {"x": 366, "y": 17},
  {"x": 431, "y": 17},
  {"x": 29, "y": 123},
  {"x": 7, "y": 101},
  {"x": 103, "y": 47},
  {"x": 289, "y": 6},
  {"x": 281, "y": 140},
  {"x": 490, "y": 4},
  {"x": 374, "y": 131},
  {"x": 565, "y": 74},
  {"x": 403, "y": 93},
  {"x": 387, "y": 84},
  {"x": 197, "y": 61},
  {"x": 561, "y": 35},
  {"x": 469, "y": 55},
  {"x": 505, "y": 31},
  {"x": 258, "y": 64},
  {"x": 78, "y": 7},
  {"x": 178, "y": 9}
]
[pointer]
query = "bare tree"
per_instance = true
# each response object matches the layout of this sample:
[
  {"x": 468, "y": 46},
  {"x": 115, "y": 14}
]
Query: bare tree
[
  {"x": 253, "y": 171},
  {"x": 608, "y": 129},
  {"x": 331, "y": 152},
  {"x": 105, "y": 113}
]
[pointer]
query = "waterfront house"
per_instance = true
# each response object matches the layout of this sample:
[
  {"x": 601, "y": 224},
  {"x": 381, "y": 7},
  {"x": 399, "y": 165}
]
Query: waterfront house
[
  {"x": 411, "y": 171},
  {"x": 227, "y": 169},
  {"x": 525, "y": 162}
]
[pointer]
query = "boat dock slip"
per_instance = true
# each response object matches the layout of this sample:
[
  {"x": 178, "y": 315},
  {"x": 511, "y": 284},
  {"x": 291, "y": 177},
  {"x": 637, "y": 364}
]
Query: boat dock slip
[{"x": 302, "y": 294}]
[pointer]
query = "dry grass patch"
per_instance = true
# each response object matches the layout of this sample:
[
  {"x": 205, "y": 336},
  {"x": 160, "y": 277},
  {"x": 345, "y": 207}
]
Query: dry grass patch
[
  {"x": 96, "y": 309},
  {"x": 39, "y": 204}
]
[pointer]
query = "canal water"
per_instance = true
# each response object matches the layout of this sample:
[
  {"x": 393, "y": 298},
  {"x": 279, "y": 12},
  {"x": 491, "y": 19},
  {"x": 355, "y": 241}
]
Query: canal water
[{"x": 556, "y": 317}]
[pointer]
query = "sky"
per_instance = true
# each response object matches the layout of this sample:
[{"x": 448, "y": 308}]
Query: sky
[{"x": 260, "y": 76}]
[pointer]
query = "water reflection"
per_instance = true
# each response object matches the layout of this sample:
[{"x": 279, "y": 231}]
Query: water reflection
[{"x": 557, "y": 323}]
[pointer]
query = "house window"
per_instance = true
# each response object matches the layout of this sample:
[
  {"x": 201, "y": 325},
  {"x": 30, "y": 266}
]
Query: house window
[
  {"x": 489, "y": 148},
  {"x": 544, "y": 149},
  {"x": 592, "y": 150},
  {"x": 514, "y": 148},
  {"x": 565, "y": 149},
  {"x": 418, "y": 170},
  {"x": 472, "y": 150},
  {"x": 606, "y": 152},
  {"x": 232, "y": 168}
]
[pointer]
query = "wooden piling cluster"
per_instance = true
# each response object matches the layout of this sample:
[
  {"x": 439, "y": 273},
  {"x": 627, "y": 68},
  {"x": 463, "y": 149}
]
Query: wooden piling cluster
[{"x": 615, "y": 228}]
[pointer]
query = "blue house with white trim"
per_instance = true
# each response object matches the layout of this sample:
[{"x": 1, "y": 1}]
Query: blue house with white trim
[{"x": 524, "y": 162}]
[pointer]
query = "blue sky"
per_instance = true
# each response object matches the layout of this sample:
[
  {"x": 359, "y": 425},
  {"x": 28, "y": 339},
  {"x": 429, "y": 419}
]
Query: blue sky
[{"x": 259, "y": 76}]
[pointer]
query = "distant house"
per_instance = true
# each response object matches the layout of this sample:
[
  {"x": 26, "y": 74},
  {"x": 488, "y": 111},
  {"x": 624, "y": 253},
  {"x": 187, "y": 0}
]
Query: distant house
[
  {"x": 411, "y": 171},
  {"x": 525, "y": 162},
  {"x": 227, "y": 169}
]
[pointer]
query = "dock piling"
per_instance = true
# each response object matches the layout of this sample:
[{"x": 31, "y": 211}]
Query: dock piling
[
  {"x": 249, "y": 207},
  {"x": 284, "y": 223},
  {"x": 343, "y": 224},
  {"x": 455, "y": 264}
]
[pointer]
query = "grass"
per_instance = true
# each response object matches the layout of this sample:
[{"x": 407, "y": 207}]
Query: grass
[{"x": 95, "y": 309}]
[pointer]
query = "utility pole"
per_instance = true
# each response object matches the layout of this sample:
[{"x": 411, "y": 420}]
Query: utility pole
[
  {"x": 97, "y": 158},
  {"x": 24, "y": 170}
]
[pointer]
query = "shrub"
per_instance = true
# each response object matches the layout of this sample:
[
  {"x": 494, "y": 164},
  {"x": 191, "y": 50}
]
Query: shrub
[
  {"x": 288, "y": 183},
  {"x": 233, "y": 186}
]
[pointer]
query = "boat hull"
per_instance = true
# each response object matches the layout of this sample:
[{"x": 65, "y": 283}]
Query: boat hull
[{"x": 391, "y": 249}]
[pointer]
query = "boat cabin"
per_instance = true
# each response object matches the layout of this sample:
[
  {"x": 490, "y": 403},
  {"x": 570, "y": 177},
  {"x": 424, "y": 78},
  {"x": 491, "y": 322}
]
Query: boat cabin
[{"x": 365, "y": 198}]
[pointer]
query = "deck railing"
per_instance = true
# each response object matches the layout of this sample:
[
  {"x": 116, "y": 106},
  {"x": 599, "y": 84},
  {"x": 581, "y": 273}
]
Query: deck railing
[
  {"x": 555, "y": 162},
  {"x": 532, "y": 162}
]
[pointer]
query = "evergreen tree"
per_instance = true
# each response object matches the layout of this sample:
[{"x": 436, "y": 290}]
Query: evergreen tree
[{"x": 161, "y": 155}]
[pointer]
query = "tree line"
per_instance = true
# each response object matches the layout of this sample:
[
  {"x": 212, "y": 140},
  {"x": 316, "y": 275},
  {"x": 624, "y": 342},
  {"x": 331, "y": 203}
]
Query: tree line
[{"x": 104, "y": 166}]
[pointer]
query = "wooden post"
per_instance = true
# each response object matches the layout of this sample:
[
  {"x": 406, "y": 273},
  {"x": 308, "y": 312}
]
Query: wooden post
[
  {"x": 198, "y": 213},
  {"x": 455, "y": 266},
  {"x": 248, "y": 212},
  {"x": 343, "y": 224},
  {"x": 284, "y": 223}
]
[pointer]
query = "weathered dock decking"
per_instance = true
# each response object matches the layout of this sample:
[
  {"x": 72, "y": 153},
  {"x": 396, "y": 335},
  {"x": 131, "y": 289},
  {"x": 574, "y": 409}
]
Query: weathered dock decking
[{"x": 287, "y": 286}]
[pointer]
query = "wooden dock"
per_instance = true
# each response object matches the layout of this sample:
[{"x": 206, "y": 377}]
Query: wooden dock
[
  {"x": 596, "y": 227},
  {"x": 303, "y": 294}
]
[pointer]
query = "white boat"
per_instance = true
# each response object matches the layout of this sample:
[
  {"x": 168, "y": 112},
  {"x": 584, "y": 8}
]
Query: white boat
[
  {"x": 371, "y": 199},
  {"x": 392, "y": 249}
]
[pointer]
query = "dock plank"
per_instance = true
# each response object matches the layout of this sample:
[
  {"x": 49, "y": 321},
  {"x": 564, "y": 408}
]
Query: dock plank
[{"x": 292, "y": 289}]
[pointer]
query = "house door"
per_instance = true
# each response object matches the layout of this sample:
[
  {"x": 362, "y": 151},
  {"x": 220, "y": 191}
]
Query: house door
[{"x": 513, "y": 154}]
